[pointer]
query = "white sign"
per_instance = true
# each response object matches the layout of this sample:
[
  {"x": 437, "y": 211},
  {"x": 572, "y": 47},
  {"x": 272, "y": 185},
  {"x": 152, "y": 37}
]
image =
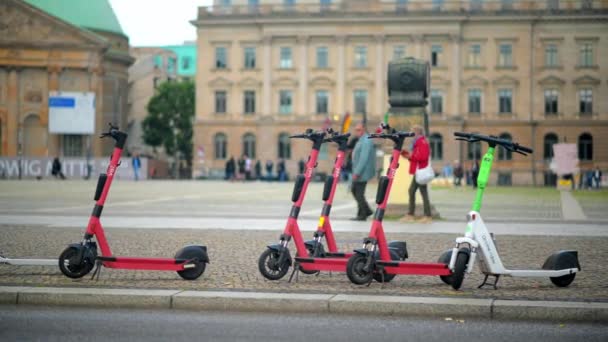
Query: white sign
[
  {"x": 71, "y": 112},
  {"x": 565, "y": 159}
]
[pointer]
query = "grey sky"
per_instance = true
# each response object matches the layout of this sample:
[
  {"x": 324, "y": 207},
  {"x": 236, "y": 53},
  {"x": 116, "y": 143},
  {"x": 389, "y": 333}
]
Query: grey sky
[{"x": 157, "y": 22}]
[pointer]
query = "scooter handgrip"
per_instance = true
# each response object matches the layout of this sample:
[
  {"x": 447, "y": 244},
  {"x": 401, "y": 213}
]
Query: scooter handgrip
[
  {"x": 462, "y": 134},
  {"x": 524, "y": 149}
]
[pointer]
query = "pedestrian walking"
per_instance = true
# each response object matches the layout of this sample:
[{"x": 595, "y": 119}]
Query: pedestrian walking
[
  {"x": 281, "y": 170},
  {"x": 247, "y": 168},
  {"x": 241, "y": 168},
  {"x": 419, "y": 159},
  {"x": 230, "y": 169},
  {"x": 597, "y": 177},
  {"x": 458, "y": 173},
  {"x": 136, "y": 162},
  {"x": 56, "y": 169},
  {"x": 269, "y": 166},
  {"x": 258, "y": 169},
  {"x": 364, "y": 169}
]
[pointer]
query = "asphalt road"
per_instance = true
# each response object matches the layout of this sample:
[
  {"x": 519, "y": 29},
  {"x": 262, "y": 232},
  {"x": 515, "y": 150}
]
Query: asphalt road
[{"x": 78, "y": 324}]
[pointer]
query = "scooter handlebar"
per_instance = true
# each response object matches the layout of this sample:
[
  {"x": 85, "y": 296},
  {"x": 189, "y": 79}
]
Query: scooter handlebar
[{"x": 509, "y": 145}]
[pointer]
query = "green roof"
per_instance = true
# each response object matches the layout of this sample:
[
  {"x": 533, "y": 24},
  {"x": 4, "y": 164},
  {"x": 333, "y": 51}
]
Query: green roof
[
  {"x": 90, "y": 14},
  {"x": 186, "y": 58}
]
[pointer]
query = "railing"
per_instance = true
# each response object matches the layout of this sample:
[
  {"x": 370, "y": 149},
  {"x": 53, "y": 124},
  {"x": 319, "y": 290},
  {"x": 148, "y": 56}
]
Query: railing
[{"x": 379, "y": 7}]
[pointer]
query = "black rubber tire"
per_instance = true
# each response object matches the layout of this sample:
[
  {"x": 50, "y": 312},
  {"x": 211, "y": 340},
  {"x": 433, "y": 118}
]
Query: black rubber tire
[
  {"x": 310, "y": 254},
  {"x": 267, "y": 264},
  {"x": 445, "y": 258},
  {"x": 354, "y": 270},
  {"x": 387, "y": 277},
  {"x": 72, "y": 269},
  {"x": 198, "y": 270},
  {"x": 564, "y": 280},
  {"x": 462, "y": 259}
]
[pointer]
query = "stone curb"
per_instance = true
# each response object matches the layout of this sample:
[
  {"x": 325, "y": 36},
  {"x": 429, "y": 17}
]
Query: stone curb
[{"x": 307, "y": 303}]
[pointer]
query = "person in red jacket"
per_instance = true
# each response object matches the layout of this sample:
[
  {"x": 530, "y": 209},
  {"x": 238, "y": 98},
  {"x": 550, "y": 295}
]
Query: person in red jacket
[{"x": 419, "y": 159}]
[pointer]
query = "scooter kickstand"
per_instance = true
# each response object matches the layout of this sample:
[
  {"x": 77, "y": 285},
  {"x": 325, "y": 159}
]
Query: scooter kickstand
[
  {"x": 485, "y": 281},
  {"x": 97, "y": 271},
  {"x": 296, "y": 272}
]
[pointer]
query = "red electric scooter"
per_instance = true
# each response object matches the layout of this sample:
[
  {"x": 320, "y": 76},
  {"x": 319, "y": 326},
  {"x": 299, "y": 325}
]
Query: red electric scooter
[
  {"x": 78, "y": 259},
  {"x": 318, "y": 259},
  {"x": 275, "y": 261},
  {"x": 366, "y": 263}
]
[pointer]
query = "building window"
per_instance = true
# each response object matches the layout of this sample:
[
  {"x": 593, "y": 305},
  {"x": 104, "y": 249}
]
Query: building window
[
  {"x": 586, "y": 55},
  {"x": 253, "y": 5},
  {"x": 171, "y": 62},
  {"x": 284, "y": 146},
  {"x": 587, "y": 4},
  {"x": 158, "y": 61},
  {"x": 436, "y": 143},
  {"x": 551, "y": 56},
  {"x": 585, "y": 147},
  {"x": 474, "y": 151},
  {"x": 503, "y": 153},
  {"x": 360, "y": 56},
  {"x": 506, "y": 4},
  {"x": 476, "y": 5},
  {"x": 249, "y": 145},
  {"x": 221, "y": 57},
  {"x": 438, "y": 4},
  {"x": 551, "y": 99},
  {"x": 505, "y": 58},
  {"x": 475, "y": 55},
  {"x": 585, "y": 101},
  {"x": 73, "y": 145},
  {"x": 360, "y": 101},
  {"x": 401, "y": 5},
  {"x": 220, "y": 101},
  {"x": 322, "y": 57},
  {"x": 249, "y": 98},
  {"x": 286, "y": 61},
  {"x": 398, "y": 52},
  {"x": 322, "y": 97},
  {"x": 325, "y": 4},
  {"x": 186, "y": 62},
  {"x": 505, "y": 100},
  {"x": 436, "y": 51},
  {"x": 504, "y": 179},
  {"x": 436, "y": 101},
  {"x": 548, "y": 142},
  {"x": 553, "y": 4},
  {"x": 220, "y": 142},
  {"x": 249, "y": 57},
  {"x": 285, "y": 102},
  {"x": 475, "y": 101}
]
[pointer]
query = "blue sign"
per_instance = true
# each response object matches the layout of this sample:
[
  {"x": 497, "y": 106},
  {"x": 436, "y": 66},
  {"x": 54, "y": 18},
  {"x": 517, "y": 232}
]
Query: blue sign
[{"x": 66, "y": 102}]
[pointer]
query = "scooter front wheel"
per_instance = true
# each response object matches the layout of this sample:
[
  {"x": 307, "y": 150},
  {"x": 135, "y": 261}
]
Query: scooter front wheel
[
  {"x": 462, "y": 259},
  {"x": 269, "y": 266},
  {"x": 355, "y": 270},
  {"x": 73, "y": 268}
]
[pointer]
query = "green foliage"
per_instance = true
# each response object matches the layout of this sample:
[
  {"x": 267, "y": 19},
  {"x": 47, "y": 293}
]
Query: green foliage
[{"x": 169, "y": 120}]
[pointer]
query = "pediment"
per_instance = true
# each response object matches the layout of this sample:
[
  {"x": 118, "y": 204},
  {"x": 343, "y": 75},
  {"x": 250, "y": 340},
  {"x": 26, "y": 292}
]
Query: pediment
[
  {"x": 506, "y": 80},
  {"x": 360, "y": 81},
  {"x": 23, "y": 24},
  {"x": 220, "y": 82},
  {"x": 551, "y": 80},
  {"x": 475, "y": 80},
  {"x": 439, "y": 81},
  {"x": 322, "y": 81},
  {"x": 285, "y": 82},
  {"x": 250, "y": 83},
  {"x": 587, "y": 80}
]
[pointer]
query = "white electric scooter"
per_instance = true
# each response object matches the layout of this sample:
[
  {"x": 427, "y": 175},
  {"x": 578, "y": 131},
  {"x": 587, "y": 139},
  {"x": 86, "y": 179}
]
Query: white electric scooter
[{"x": 561, "y": 267}]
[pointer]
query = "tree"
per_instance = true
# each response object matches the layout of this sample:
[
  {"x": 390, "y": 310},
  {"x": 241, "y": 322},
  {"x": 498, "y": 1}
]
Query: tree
[{"x": 169, "y": 120}]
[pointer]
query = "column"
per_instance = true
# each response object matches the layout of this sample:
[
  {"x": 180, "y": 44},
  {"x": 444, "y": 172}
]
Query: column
[
  {"x": 455, "y": 97},
  {"x": 96, "y": 86},
  {"x": 303, "y": 84},
  {"x": 341, "y": 84},
  {"x": 418, "y": 42},
  {"x": 380, "y": 72},
  {"x": 53, "y": 85},
  {"x": 12, "y": 122},
  {"x": 266, "y": 86}
]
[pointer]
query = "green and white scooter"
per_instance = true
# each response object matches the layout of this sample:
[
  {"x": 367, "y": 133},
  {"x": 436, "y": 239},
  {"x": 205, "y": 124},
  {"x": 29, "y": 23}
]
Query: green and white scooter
[{"x": 561, "y": 267}]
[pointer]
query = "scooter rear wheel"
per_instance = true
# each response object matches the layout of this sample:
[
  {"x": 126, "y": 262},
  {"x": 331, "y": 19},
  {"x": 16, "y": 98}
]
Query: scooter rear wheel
[
  {"x": 355, "y": 270},
  {"x": 564, "y": 280},
  {"x": 73, "y": 268},
  {"x": 387, "y": 276},
  {"x": 311, "y": 253},
  {"x": 445, "y": 259},
  {"x": 200, "y": 265},
  {"x": 269, "y": 267}
]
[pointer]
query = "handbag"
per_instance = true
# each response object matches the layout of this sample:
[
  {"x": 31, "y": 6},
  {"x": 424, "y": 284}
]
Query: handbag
[{"x": 425, "y": 175}]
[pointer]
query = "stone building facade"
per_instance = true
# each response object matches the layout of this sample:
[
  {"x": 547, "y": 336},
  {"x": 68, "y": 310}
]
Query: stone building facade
[
  {"x": 59, "y": 46},
  {"x": 531, "y": 71}
]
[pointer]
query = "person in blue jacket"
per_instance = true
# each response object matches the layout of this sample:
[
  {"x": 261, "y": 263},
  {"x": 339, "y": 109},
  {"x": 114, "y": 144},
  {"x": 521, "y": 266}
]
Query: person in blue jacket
[{"x": 364, "y": 169}]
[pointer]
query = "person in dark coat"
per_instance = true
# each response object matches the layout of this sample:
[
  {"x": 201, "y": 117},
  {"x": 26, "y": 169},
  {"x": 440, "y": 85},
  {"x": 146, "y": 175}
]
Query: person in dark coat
[
  {"x": 269, "y": 166},
  {"x": 258, "y": 169},
  {"x": 56, "y": 169}
]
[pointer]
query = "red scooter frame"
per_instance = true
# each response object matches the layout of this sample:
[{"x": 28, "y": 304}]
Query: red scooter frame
[
  {"x": 78, "y": 259},
  {"x": 275, "y": 261},
  {"x": 365, "y": 262}
]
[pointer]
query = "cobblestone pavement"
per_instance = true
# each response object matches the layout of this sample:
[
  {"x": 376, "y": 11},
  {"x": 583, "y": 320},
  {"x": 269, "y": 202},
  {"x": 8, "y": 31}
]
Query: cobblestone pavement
[
  {"x": 234, "y": 257},
  {"x": 269, "y": 200}
]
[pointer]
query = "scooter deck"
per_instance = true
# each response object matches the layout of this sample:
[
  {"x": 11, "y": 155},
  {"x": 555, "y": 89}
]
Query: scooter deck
[
  {"x": 151, "y": 264},
  {"x": 323, "y": 264},
  {"x": 415, "y": 268}
]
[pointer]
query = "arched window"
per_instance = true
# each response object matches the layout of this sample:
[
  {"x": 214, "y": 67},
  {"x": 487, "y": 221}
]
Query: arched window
[
  {"x": 436, "y": 142},
  {"x": 220, "y": 142},
  {"x": 474, "y": 151},
  {"x": 249, "y": 145},
  {"x": 284, "y": 146},
  {"x": 548, "y": 142},
  {"x": 504, "y": 154},
  {"x": 585, "y": 147}
]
